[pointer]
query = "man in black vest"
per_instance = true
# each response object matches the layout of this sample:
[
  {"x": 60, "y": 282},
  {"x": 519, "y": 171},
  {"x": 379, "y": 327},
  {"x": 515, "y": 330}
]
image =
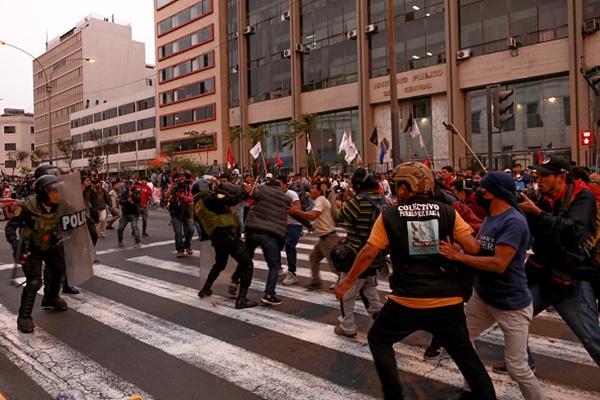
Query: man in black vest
[{"x": 427, "y": 289}]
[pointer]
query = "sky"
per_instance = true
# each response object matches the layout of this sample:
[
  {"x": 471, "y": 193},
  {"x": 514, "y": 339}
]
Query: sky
[{"x": 25, "y": 24}]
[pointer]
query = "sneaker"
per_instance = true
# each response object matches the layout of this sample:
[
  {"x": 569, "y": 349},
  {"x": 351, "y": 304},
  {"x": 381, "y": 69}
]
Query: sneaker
[
  {"x": 233, "y": 287},
  {"x": 189, "y": 250},
  {"x": 145, "y": 234},
  {"x": 339, "y": 331},
  {"x": 502, "y": 370},
  {"x": 281, "y": 272},
  {"x": 109, "y": 227},
  {"x": 313, "y": 286},
  {"x": 205, "y": 292},
  {"x": 271, "y": 300},
  {"x": 180, "y": 254},
  {"x": 245, "y": 303},
  {"x": 290, "y": 278},
  {"x": 120, "y": 243},
  {"x": 432, "y": 353},
  {"x": 25, "y": 325},
  {"x": 137, "y": 246}
]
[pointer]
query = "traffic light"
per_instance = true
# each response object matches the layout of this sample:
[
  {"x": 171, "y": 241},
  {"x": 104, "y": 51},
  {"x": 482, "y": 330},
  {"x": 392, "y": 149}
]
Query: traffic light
[
  {"x": 589, "y": 73},
  {"x": 587, "y": 137},
  {"x": 502, "y": 107}
]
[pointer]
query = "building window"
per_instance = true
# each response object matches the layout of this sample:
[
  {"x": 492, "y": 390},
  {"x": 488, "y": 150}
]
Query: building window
[
  {"x": 127, "y": 109},
  {"x": 97, "y": 117},
  {"x": 591, "y": 9},
  {"x": 127, "y": 147},
  {"x": 190, "y": 14},
  {"x": 269, "y": 72},
  {"x": 541, "y": 121},
  {"x": 200, "y": 63},
  {"x": 194, "y": 90},
  {"x": 76, "y": 138},
  {"x": 205, "y": 113},
  {"x": 110, "y": 113},
  {"x": 418, "y": 31},
  {"x": 75, "y": 123},
  {"x": 328, "y": 133},
  {"x": 485, "y": 25},
  {"x": 147, "y": 144},
  {"x": 10, "y": 146},
  {"x": 332, "y": 58},
  {"x": 87, "y": 120},
  {"x": 127, "y": 127},
  {"x": 145, "y": 104},
  {"x": 10, "y": 129},
  {"x": 110, "y": 131},
  {"x": 10, "y": 164},
  {"x": 205, "y": 142},
  {"x": 421, "y": 111},
  {"x": 202, "y": 36},
  {"x": 146, "y": 123},
  {"x": 31, "y": 129},
  {"x": 272, "y": 144},
  {"x": 32, "y": 147},
  {"x": 162, "y": 3}
]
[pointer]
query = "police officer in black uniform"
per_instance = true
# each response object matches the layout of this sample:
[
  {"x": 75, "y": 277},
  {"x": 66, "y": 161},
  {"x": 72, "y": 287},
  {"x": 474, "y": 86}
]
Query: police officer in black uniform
[{"x": 37, "y": 223}]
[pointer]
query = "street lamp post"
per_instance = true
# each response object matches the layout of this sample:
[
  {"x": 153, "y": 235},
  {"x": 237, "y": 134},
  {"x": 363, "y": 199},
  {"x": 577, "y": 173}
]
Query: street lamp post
[{"x": 48, "y": 81}]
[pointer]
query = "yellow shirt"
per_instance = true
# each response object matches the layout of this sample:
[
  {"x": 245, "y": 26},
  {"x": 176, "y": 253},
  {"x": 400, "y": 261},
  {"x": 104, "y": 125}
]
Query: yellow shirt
[
  {"x": 324, "y": 223},
  {"x": 380, "y": 240}
]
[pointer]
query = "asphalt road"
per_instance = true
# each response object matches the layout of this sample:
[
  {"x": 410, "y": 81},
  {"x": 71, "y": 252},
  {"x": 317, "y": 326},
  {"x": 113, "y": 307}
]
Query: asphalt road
[{"x": 138, "y": 327}]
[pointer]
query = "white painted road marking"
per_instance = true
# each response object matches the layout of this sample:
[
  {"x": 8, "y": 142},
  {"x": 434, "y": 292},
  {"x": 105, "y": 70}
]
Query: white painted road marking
[
  {"x": 38, "y": 355},
  {"x": 409, "y": 358}
]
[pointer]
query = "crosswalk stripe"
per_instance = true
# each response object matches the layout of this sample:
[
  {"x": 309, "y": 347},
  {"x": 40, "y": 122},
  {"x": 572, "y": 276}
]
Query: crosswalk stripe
[
  {"x": 409, "y": 358},
  {"x": 267, "y": 378},
  {"x": 551, "y": 347},
  {"x": 39, "y": 354},
  {"x": 325, "y": 337}
]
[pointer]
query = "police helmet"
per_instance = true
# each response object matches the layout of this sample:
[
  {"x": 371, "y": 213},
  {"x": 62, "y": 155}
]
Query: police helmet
[
  {"x": 415, "y": 175},
  {"x": 44, "y": 169},
  {"x": 43, "y": 185},
  {"x": 200, "y": 185}
]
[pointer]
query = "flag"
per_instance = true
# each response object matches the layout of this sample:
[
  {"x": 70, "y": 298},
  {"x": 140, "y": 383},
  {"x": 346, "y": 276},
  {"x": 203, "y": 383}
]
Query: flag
[
  {"x": 409, "y": 124},
  {"x": 229, "y": 158},
  {"x": 386, "y": 143},
  {"x": 374, "y": 138},
  {"x": 415, "y": 129},
  {"x": 344, "y": 143},
  {"x": 256, "y": 150},
  {"x": 382, "y": 154},
  {"x": 308, "y": 145},
  {"x": 540, "y": 158},
  {"x": 427, "y": 163},
  {"x": 351, "y": 150},
  {"x": 267, "y": 164},
  {"x": 278, "y": 161},
  {"x": 421, "y": 142}
]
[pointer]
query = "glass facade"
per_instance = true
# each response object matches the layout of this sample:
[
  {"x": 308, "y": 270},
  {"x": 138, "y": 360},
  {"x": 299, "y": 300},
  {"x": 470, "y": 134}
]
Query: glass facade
[
  {"x": 591, "y": 9},
  {"x": 542, "y": 119},
  {"x": 184, "y": 17},
  {"x": 195, "y": 39},
  {"x": 412, "y": 149},
  {"x": 331, "y": 58},
  {"x": 485, "y": 25},
  {"x": 329, "y": 130},
  {"x": 272, "y": 145},
  {"x": 200, "y": 63},
  {"x": 232, "y": 51},
  {"x": 419, "y": 31},
  {"x": 269, "y": 72}
]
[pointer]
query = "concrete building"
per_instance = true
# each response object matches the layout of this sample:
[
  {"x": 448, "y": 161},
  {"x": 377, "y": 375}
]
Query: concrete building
[
  {"x": 65, "y": 83},
  {"x": 273, "y": 60},
  {"x": 121, "y": 132},
  {"x": 17, "y": 131}
]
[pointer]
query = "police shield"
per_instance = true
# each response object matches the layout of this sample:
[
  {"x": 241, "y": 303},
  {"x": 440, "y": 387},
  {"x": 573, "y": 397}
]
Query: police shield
[{"x": 79, "y": 249}]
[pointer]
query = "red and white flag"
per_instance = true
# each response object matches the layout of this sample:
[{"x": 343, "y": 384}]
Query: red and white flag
[{"x": 229, "y": 158}]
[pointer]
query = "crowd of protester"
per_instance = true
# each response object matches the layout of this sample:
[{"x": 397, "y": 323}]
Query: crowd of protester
[{"x": 475, "y": 253}]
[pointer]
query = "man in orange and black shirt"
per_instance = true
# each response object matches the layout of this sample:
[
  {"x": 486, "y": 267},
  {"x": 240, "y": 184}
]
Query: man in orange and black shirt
[{"x": 427, "y": 289}]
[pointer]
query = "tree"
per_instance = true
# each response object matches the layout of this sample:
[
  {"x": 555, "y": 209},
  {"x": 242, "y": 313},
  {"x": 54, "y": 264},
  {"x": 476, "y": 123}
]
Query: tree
[
  {"x": 95, "y": 162},
  {"x": 197, "y": 139},
  {"x": 300, "y": 127},
  {"x": 38, "y": 155},
  {"x": 67, "y": 147},
  {"x": 18, "y": 156},
  {"x": 105, "y": 144}
]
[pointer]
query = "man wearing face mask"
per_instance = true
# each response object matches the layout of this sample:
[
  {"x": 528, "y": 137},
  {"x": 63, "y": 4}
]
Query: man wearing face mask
[{"x": 561, "y": 270}]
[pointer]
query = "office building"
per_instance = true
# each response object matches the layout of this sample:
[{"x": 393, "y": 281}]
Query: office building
[
  {"x": 252, "y": 63},
  {"x": 17, "y": 138},
  {"x": 65, "y": 82}
]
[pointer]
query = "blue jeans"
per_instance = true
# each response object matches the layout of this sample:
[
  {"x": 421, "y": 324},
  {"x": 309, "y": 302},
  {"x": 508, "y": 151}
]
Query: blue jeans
[
  {"x": 272, "y": 254},
  {"x": 184, "y": 231},
  {"x": 578, "y": 310},
  {"x": 123, "y": 221},
  {"x": 292, "y": 237}
]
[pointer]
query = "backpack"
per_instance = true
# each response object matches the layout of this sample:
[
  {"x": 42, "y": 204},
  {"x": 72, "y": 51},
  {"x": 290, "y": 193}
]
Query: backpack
[{"x": 298, "y": 187}]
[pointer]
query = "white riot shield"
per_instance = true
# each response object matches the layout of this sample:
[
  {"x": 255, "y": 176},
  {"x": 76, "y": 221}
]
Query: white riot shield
[{"x": 79, "y": 249}]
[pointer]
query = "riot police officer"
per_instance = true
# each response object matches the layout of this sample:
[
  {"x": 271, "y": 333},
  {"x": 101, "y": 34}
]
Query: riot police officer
[{"x": 39, "y": 239}]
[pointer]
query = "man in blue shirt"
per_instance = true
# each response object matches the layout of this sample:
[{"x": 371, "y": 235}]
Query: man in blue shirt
[{"x": 501, "y": 294}]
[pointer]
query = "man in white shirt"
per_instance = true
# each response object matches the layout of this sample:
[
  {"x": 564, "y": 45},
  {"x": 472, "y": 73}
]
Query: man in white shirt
[
  {"x": 324, "y": 227},
  {"x": 292, "y": 235}
]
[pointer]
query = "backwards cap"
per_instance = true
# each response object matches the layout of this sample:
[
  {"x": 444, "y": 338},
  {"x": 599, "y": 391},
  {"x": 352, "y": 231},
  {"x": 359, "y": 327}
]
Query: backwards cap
[{"x": 415, "y": 175}]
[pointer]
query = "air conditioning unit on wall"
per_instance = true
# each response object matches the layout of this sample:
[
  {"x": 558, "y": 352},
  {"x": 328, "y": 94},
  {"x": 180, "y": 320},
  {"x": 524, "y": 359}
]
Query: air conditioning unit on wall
[
  {"x": 464, "y": 54},
  {"x": 351, "y": 34},
  {"x": 287, "y": 53},
  {"x": 590, "y": 26},
  {"x": 300, "y": 48},
  {"x": 372, "y": 28},
  {"x": 249, "y": 30},
  {"x": 286, "y": 15}
]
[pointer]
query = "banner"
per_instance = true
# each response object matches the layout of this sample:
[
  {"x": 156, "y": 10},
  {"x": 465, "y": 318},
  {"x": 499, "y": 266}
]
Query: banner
[
  {"x": 308, "y": 145},
  {"x": 256, "y": 150}
]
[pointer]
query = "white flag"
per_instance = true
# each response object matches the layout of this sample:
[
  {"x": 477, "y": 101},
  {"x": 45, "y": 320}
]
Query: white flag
[
  {"x": 351, "y": 150},
  {"x": 308, "y": 145},
  {"x": 415, "y": 129},
  {"x": 344, "y": 144},
  {"x": 256, "y": 150},
  {"x": 421, "y": 141}
]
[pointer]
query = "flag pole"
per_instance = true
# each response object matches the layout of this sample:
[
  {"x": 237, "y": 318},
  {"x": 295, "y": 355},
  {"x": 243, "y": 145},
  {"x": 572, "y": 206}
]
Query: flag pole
[
  {"x": 427, "y": 154},
  {"x": 411, "y": 147},
  {"x": 453, "y": 129}
]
